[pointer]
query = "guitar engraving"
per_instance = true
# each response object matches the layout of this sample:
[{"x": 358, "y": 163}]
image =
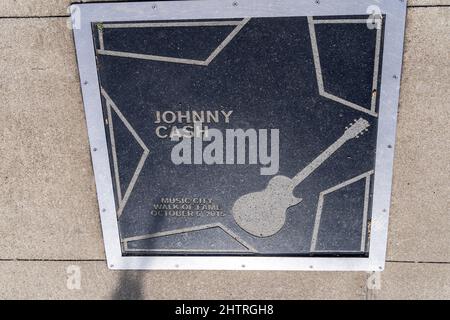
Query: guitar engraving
[{"x": 263, "y": 213}]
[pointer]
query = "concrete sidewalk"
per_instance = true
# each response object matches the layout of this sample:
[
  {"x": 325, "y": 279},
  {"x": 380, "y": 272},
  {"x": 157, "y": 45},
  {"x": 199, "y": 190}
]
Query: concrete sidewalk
[{"x": 48, "y": 209}]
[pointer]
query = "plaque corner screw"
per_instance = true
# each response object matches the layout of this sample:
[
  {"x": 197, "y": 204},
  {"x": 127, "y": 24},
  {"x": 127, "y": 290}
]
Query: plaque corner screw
[
  {"x": 235, "y": 4},
  {"x": 154, "y": 6}
]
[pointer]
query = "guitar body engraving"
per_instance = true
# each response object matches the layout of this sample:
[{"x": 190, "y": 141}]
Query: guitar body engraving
[{"x": 263, "y": 213}]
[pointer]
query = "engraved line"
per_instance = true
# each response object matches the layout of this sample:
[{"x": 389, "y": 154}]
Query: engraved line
[
  {"x": 316, "y": 224},
  {"x": 336, "y": 21},
  {"x": 376, "y": 69},
  {"x": 318, "y": 68},
  {"x": 187, "y": 250},
  {"x": 170, "y": 232},
  {"x": 365, "y": 214},
  {"x": 348, "y": 182},
  {"x": 315, "y": 50},
  {"x": 320, "y": 205},
  {"x": 192, "y": 229},
  {"x": 227, "y": 40},
  {"x": 334, "y": 251},
  {"x": 125, "y": 121},
  {"x": 141, "y": 161},
  {"x": 212, "y": 56},
  {"x": 150, "y": 57},
  {"x": 348, "y": 103},
  {"x": 100, "y": 39},
  {"x": 238, "y": 239},
  {"x": 173, "y": 24},
  {"x": 132, "y": 183},
  {"x": 114, "y": 152}
]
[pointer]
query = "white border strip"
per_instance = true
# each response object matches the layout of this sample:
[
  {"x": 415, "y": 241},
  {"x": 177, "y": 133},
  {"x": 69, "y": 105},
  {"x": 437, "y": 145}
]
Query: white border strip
[{"x": 395, "y": 12}]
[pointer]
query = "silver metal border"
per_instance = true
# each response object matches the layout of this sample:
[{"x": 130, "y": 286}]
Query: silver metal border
[{"x": 395, "y": 12}]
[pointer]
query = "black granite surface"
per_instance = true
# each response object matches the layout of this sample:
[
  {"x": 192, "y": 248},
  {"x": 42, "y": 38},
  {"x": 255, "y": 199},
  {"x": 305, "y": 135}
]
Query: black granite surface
[{"x": 267, "y": 76}]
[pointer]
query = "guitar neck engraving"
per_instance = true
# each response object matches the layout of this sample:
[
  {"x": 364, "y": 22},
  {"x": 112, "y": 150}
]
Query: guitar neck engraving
[{"x": 302, "y": 175}]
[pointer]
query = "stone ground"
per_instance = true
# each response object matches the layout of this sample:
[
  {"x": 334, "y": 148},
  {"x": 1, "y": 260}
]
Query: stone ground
[{"x": 49, "y": 218}]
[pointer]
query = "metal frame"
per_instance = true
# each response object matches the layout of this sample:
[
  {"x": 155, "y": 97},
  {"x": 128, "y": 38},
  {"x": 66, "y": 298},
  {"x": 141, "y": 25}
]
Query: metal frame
[{"x": 395, "y": 13}]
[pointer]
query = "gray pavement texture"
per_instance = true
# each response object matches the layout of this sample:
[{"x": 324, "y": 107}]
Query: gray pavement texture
[{"x": 48, "y": 212}]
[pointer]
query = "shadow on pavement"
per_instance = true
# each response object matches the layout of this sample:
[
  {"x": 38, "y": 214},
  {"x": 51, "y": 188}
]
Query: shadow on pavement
[{"x": 130, "y": 286}]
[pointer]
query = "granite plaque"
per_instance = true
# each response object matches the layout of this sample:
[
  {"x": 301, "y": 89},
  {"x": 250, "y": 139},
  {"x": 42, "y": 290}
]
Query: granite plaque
[{"x": 242, "y": 135}]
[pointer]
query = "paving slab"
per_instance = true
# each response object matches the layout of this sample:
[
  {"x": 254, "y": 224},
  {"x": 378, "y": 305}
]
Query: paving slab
[
  {"x": 414, "y": 281},
  {"x": 49, "y": 280},
  {"x": 428, "y": 2},
  {"x": 48, "y": 196},
  {"x": 33, "y": 8},
  {"x": 48, "y": 206},
  {"x": 420, "y": 212}
]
